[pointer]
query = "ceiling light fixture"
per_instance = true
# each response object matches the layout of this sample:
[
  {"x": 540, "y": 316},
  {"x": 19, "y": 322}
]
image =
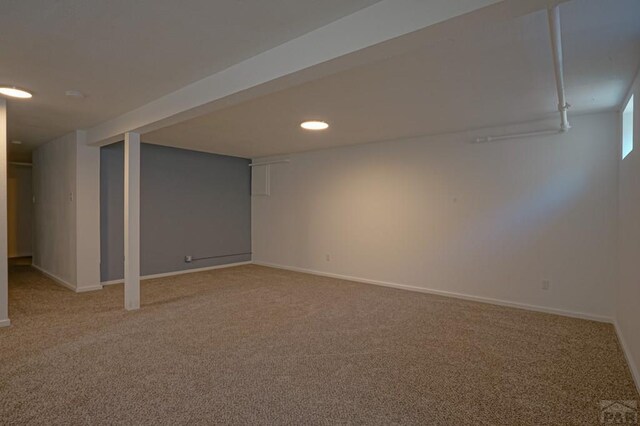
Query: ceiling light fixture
[
  {"x": 73, "y": 93},
  {"x": 314, "y": 125},
  {"x": 14, "y": 92}
]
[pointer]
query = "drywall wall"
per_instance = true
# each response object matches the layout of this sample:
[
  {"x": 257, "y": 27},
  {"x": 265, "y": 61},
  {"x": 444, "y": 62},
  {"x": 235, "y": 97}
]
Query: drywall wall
[
  {"x": 4, "y": 278},
  {"x": 628, "y": 300},
  {"x": 87, "y": 198},
  {"x": 19, "y": 210},
  {"x": 491, "y": 220},
  {"x": 66, "y": 187},
  {"x": 54, "y": 187},
  {"x": 192, "y": 204}
]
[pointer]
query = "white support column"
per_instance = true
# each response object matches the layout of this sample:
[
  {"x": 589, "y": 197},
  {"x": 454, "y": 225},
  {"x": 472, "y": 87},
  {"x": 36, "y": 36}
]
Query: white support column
[
  {"x": 131, "y": 221},
  {"x": 4, "y": 279}
]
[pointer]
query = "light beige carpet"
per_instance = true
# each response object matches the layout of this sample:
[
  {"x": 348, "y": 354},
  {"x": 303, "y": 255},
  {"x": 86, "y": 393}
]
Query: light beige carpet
[{"x": 253, "y": 345}]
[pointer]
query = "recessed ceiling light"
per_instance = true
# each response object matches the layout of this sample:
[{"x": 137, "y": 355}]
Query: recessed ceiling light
[
  {"x": 16, "y": 142},
  {"x": 74, "y": 94},
  {"x": 314, "y": 125},
  {"x": 14, "y": 92}
]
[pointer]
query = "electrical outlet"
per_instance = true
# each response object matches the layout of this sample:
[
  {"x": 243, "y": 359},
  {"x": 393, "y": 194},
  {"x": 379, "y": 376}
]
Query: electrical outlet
[
  {"x": 188, "y": 259},
  {"x": 546, "y": 284},
  {"x": 327, "y": 257}
]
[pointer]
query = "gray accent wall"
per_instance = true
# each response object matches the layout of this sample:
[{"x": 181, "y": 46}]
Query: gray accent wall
[{"x": 191, "y": 204}]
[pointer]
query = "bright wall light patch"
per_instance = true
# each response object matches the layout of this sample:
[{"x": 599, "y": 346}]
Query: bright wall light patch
[
  {"x": 14, "y": 92},
  {"x": 314, "y": 125},
  {"x": 627, "y": 128}
]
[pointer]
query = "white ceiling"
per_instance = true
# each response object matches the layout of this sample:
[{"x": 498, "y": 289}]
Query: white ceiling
[
  {"x": 483, "y": 76},
  {"x": 123, "y": 54}
]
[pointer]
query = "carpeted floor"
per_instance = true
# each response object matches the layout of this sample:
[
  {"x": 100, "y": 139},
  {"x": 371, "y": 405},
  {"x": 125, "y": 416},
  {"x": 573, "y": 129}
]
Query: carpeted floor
[{"x": 253, "y": 345}]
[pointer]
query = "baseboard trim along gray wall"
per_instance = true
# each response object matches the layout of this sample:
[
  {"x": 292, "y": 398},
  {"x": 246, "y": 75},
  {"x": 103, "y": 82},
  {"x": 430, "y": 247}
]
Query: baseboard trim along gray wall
[{"x": 191, "y": 204}]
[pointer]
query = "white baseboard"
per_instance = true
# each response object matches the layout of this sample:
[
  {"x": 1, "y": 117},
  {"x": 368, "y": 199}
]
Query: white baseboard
[
  {"x": 55, "y": 278},
  {"x": 186, "y": 271},
  {"x": 66, "y": 284},
  {"x": 627, "y": 353},
  {"x": 5, "y": 323},
  {"x": 482, "y": 299},
  {"x": 89, "y": 288}
]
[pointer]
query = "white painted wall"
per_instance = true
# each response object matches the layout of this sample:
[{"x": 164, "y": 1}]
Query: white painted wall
[
  {"x": 66, "y": 186},
  {"x": 487, "y": 220},
  {"x": 628, "y": 301},
  {"x": 54, "y": 187},
  {"x": 20, "y": 209},
  {"x": 4, "y": 278},
  {"x": 87, "y": 215}
]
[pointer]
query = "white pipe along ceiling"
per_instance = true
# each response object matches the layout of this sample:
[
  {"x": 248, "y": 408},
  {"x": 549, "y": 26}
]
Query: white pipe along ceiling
[{"x": 555, "y": 32}]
